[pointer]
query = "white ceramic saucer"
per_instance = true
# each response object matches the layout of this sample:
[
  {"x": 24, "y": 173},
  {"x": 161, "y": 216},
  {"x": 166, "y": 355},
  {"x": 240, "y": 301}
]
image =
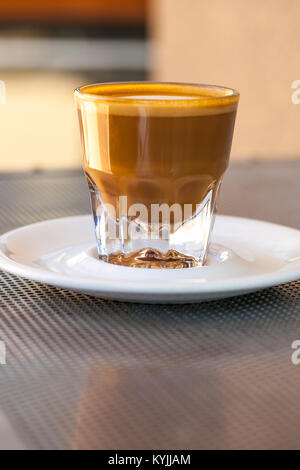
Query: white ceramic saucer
[{"x": 62, "y": 252}]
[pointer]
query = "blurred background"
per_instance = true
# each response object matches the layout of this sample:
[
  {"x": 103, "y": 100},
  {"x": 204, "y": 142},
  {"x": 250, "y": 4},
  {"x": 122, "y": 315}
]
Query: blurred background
[{"x": 47, "y": 48}]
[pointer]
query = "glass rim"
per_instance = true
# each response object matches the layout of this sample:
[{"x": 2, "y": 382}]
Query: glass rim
[{"x": 223, "y": 95}]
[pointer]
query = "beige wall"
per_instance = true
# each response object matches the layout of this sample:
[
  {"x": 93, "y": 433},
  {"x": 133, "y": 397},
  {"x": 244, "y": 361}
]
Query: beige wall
[
  {"x": 39, "y": 127},
  {"x": 253, "y": 46}
]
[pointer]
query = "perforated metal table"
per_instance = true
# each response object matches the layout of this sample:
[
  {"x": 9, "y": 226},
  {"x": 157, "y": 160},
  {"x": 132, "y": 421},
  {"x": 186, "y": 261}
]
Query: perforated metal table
[{"x": 86, "y": 373}]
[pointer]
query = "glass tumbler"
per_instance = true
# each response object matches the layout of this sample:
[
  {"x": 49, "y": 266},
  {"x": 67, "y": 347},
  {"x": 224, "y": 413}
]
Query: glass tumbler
[{"x": 154, "y": 155}]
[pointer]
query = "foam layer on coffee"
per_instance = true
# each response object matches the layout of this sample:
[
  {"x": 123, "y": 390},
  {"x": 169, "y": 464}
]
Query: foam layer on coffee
[{"x": 156, "y": 99}]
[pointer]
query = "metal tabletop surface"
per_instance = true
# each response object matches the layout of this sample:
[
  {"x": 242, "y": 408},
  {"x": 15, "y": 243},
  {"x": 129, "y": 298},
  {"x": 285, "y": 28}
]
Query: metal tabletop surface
[{"x": 87, "y": 373}]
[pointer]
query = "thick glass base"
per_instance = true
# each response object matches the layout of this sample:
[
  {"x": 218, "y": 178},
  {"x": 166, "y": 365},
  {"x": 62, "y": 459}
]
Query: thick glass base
[
  {"x": 152, "y": 258},
  {"x": 134, "y": 240}
]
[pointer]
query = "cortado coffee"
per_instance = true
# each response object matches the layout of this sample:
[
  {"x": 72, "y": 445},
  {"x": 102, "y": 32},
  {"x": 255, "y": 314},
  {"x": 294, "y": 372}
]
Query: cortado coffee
[{"x": 154, "y": 156}]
